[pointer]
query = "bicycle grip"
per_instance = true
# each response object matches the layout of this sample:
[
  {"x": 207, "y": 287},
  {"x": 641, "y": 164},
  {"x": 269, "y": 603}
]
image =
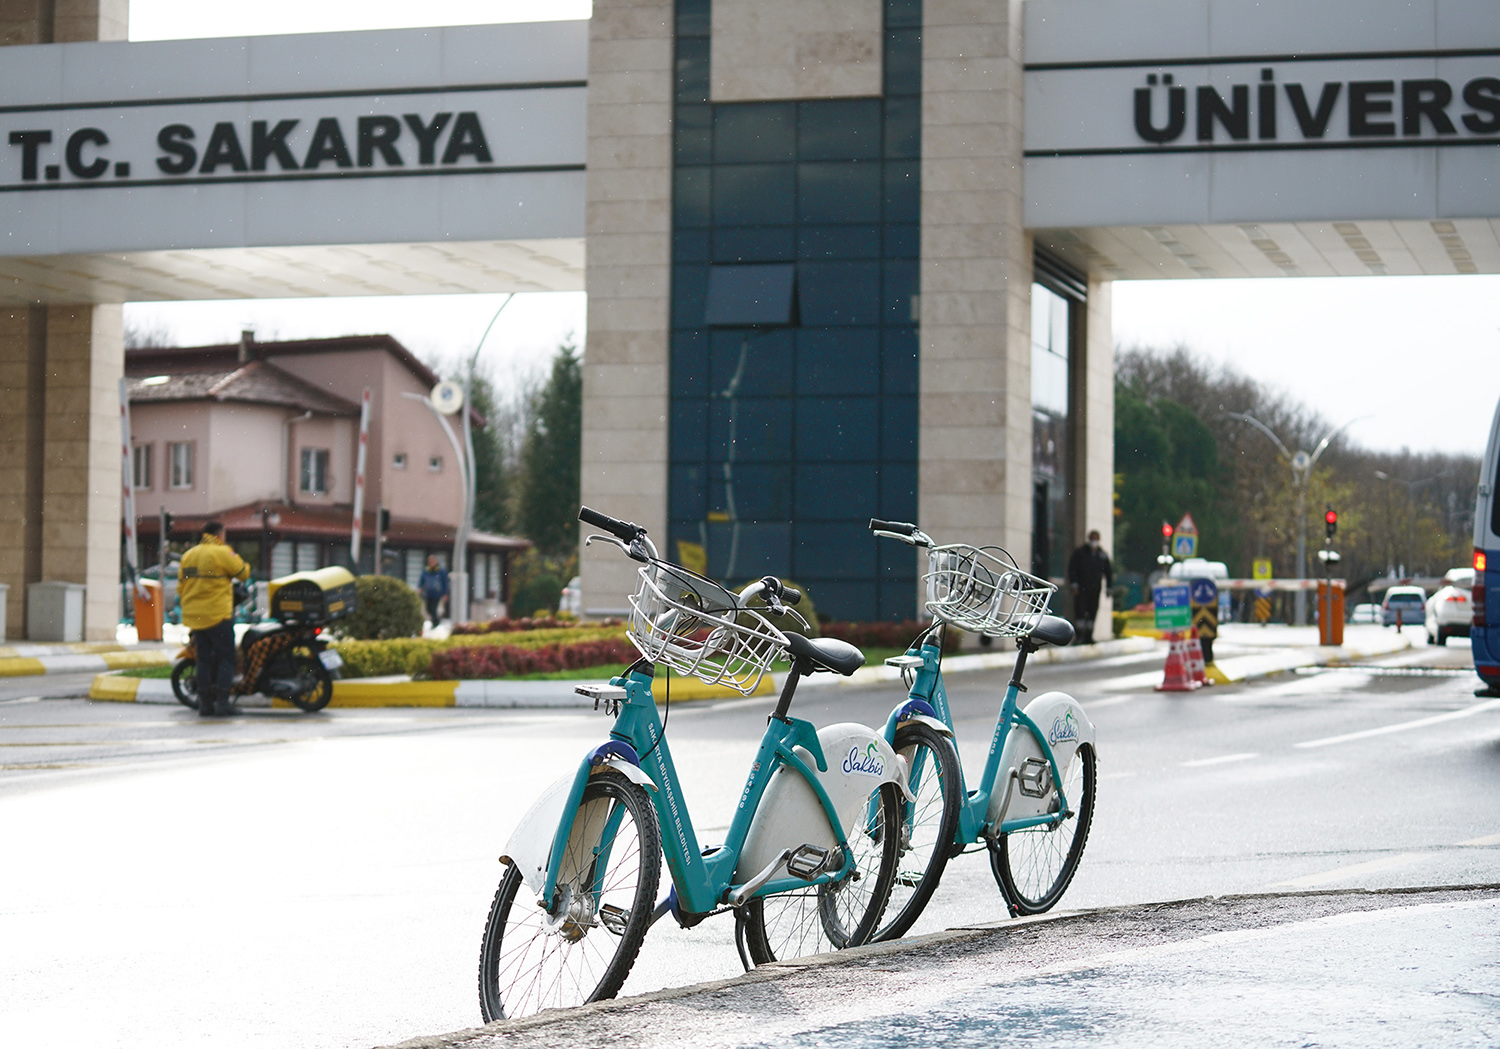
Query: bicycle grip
[
  {"x": 622, "y": 530},
  {"x": 790, "y": 596},
  {"x": 899, "y": 527}
]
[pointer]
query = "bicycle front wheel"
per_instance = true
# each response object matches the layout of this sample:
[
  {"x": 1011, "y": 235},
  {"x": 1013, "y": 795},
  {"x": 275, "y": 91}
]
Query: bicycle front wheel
[
  {"x": 838, "y": 914},
  {"x": 928, "y": 825},
  {"x": 583, "y": 949},
  {"x": 1034, "y": 866}
]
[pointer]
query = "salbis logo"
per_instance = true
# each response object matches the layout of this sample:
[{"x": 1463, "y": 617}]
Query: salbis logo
[
  {"x": 867, "y": 761},
  {"x": 1063, "y": 728}
]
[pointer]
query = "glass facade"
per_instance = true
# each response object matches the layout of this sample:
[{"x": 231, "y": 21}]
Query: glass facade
[
  {"x": 789, "y": 433},
  {"x": 1058, "y": 297}
]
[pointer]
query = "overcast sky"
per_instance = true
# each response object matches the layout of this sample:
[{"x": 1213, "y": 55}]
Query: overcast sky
[{"x": 1419, "y": 355}]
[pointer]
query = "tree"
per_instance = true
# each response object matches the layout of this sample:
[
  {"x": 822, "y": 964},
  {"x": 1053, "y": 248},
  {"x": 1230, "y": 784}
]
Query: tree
[
  {"x": 548, "y": 482},
  {"x": 493, "y": 470}
]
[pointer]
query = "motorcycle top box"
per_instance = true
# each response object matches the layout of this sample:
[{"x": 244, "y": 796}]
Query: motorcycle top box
[{"x": 313, "y": 597}]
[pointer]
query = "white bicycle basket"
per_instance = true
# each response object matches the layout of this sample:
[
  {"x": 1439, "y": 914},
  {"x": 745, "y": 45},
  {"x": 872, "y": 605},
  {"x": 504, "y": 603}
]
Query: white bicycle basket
[
  {"x": 981, "y": 590},
  {"x": 695, "y": 626}
]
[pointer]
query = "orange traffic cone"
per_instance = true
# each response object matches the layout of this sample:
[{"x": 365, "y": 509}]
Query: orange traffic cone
[
  {"x": 1176, "y": 676},
  {"x": 1196, "y": 667}
]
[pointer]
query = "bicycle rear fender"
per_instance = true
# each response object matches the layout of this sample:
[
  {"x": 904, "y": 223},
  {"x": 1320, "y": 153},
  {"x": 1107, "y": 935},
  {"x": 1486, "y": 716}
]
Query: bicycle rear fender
[
  {"x": 552, "y": 818},
  {"x": 1065, "y": 727},
  {"x": 791, "y": 814}
]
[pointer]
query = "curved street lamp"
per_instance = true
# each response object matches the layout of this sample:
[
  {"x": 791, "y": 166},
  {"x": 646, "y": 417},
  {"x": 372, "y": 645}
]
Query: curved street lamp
[{"x": 1302, "y": 464}]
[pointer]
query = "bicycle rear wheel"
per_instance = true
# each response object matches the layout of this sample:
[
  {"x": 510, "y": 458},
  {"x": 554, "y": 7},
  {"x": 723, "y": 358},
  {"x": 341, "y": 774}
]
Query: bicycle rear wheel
[
  {"x": 1034, "y": 866},
  {"x": 530, "y": 960},
  {"x": 928, "y": 825},
  {"x": 839, "y": 914}
]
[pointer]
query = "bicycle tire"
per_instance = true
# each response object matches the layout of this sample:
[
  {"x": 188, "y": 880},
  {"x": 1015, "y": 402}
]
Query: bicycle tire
[
  {"x": 836, "y": 915},
  {"x": 1034, "y": 866},
  {"x": 185, "y": 682},
  {"x": 529, "y": 962},
  {"x": 928, "y": 826}
]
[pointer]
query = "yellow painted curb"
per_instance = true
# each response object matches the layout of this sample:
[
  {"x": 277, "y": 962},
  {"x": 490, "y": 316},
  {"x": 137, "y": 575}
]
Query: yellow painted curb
[
  {"x": 114, "y": 687},
  {"x": 158, "y": 657},
  {"x": 1217, "y": 676},
  {"x": 693, "y": 689},
  {"x": 21, "y": 667},
  {"x": 402, "y": 694}
]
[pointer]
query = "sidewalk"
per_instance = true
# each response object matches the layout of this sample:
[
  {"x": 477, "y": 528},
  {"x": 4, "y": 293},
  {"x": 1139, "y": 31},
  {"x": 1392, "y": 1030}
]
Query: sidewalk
[
  {"x": 26, "y": 659},
  {"x": 1368, "y": 968}
]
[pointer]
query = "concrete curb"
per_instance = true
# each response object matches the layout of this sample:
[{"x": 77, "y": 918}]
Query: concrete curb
[
  {"x": 1003, "y": 659},
  {"x": 1246, "y": 668},
  {"x": 114, "y": 657}
]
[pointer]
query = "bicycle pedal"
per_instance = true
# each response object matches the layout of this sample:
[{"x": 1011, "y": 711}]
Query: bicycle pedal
[
  {"x": 613, "y": 918},
  {"x": 809, "y": 861}
]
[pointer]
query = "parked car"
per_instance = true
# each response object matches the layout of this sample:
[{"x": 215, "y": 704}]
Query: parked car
[
  {"x": 1365, "y": 614},
  {"x": 1450, "y": 611},
  {"x": 1403, "y": 605}
]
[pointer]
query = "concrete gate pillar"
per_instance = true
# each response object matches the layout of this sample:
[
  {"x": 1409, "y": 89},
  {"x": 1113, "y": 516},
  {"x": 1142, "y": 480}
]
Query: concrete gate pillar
[{"x": 60, "y": 366}]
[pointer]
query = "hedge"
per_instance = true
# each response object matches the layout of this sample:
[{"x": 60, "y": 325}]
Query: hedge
[
  {"x": 496, "y": 661},
  {"x": 506, "y": 625},
  {"x": 414, "y": 655},
  {"x": 886, "y": 634}
]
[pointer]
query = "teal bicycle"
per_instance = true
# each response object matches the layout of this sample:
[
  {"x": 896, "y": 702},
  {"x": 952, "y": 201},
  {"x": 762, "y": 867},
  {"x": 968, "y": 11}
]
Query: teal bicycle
[
  {"x": 1034, "y": 800},
  {"x": 807, "y": 865}
]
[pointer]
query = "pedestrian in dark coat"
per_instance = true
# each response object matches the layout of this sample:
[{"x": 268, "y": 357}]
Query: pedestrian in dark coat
[
  {"x": 433, "y": 587},
  {"x": 1089, "y": 570}
]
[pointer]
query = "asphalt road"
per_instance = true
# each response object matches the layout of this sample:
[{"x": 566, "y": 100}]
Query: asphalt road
[{"x": 284, "y": 879}]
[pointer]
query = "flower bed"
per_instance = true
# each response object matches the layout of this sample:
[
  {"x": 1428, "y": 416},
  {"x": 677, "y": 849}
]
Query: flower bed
[
  {"x": 499, "y": 661},
  {"x": 506, "y": 625},
  {"x": 886, "y": 634},
  {"x": 414, "y": 655}
]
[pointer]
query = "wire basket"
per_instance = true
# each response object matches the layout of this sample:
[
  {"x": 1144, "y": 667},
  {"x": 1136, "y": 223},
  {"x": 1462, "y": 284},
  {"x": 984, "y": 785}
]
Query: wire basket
[
  {"x": 697, "y": 627},
  {"x": 981, "y": 590}
]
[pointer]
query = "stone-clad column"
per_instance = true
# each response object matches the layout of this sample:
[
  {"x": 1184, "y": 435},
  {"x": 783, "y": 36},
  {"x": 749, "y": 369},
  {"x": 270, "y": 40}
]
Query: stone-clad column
[
  {"x": 59, "y": 420},
  {"x": 975, "y": 424},
  {"x": 1096, "y": 431},
  {"x": 629, "y": 214}
]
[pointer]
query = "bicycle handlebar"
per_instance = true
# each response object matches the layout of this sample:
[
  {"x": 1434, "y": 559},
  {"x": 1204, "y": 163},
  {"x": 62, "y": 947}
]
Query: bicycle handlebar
[
  {"x": 907, "y": 533},
  {"x": 631, "y": 537}
]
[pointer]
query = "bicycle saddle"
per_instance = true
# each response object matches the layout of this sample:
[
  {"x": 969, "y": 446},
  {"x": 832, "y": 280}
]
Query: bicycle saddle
[
  {"x": 1051, "y": 630},
  {"x": 827, "y": 653}
]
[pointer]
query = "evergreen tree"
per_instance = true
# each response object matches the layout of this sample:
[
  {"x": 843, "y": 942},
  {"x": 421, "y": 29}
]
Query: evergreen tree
[
  {"x": 493, "y": 479},
  {"x": 548, "y": 481}
]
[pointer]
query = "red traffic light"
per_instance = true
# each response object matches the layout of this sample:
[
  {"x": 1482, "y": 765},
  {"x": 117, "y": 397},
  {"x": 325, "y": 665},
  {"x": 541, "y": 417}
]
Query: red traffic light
[
  {"x": 1331, "y": 517},
  {"x": 1331, "y": 521},
  {"x": 1166, "y": 529}
]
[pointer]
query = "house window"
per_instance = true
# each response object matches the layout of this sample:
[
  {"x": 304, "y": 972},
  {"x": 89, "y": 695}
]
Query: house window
[
  {"x": 435, "y": 463},
  {"x": 398, "y": 461},
  {"x": 140, "y": 466},
  {"x": 315, "y": 471},
  {"x": 180, "y": 464}
]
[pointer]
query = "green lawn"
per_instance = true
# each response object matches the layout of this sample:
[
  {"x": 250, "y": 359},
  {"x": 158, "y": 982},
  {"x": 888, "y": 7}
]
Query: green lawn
[{"x": 153, "y": 672}]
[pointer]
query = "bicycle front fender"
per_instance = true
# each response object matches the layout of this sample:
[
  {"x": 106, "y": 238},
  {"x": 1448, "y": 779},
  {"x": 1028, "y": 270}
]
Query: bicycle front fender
[{"x": 544, "y": 831}]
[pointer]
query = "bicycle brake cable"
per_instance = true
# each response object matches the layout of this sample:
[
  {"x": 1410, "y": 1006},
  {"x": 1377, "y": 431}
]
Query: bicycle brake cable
[{"x": 665, "y": 715}]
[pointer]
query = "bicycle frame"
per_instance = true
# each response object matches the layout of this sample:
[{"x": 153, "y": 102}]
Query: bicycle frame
[
  {"x": 703, "y": 882},
  {"x": 928, "y": 691}
]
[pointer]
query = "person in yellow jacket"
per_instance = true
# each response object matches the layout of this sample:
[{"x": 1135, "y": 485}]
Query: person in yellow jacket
[{"x": 205, "y": 586}]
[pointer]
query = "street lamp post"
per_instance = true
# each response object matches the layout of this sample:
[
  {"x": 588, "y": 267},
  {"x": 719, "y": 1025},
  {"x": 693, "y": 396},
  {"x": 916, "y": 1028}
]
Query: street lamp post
[{"x": 1302, "y": 464}]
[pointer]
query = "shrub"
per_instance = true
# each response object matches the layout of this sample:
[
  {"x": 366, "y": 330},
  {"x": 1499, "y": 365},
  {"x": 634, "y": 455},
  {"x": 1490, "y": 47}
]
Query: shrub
[
  {"x": 506, "y": 625},
  {"x": 540, "y": 593},
  {"x": 495, "y": 661},
  {"x": 388, "y": 608},
  {"x": 887, "y": 634},
  {"x": 1118, "y": 622},
  {"x": 414, "y": 656}
]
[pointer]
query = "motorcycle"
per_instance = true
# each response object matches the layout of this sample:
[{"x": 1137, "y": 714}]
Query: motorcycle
[{"x": 287, "y": 661}]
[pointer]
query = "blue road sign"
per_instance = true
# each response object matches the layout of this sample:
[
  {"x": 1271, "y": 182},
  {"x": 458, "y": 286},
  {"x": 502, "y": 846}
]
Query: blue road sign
[
  {"x": 1203, "y": 592},
  {"x": 1172, "y": 611}
]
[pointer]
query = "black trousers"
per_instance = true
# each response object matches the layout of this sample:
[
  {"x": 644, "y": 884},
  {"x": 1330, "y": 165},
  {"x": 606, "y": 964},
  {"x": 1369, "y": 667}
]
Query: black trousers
[{"x": 215, "y": 649}]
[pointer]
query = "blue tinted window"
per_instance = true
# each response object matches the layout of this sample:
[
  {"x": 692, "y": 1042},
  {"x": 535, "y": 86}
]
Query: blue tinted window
[
  {"x": 903, "y": 128},
  {"x": 900, "y": 286},
  {"x": 898, "y": 429},
  {"x": 833, "y": 429},
  {"x": 754, "y": 294},
  {"x": 762, "y": 429},
  {"x": 767, "y": 368},
  {"x": 693, "y": 17},
  {"x": 898, "y": 601},
  {"x": 692, "y": 69},
  {"x": 898, "y": 13},
  {"x": 838, "y": 293},
  {"x": 689, "y": 494},
  {"x": 690, "y": 364},
  {"x": 899, "y": 371},
  {"x": 903, "y": 241},
  {"x": 898, "y": 491},
  {"x": 838, "y": 242},
  {"x": 846, "y": 129},
  {"x": 833, "y": 550},
  {"x": 692, "y": 141},
  {"x": 690, "y": 245},
  {"x": 762, "y": 491},
  {"x": 897, "y": 560},
  {"x": 754, "y": 194},
  {"x": 837, "y": 491},
  {"x": 739, "y": 553},
  {"x": 690, "y": 197},
  {"x": 903, "y": 191},
  {"x": 758, "y": 131},
  {"x": 838, "y": 192},
  {"x": 688, "y": 435},
  {"x": 834, "y": 361},
  {"x": 689, "y": 295},
  {"x": 903, "y": 62},
  {"x": 754, "y": 244}
]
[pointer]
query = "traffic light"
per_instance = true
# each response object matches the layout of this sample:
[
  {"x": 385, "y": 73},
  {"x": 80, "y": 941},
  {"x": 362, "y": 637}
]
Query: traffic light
[
  {"x": 1166, "y": 529},
  {"x": 166, "y": 525},
  {"x": 1331, "y": 521},
  {"x": 385, "y": 520}
]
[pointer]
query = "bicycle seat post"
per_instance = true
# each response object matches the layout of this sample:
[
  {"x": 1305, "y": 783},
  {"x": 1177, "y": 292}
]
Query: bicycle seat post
[
  {"x": 800, "y": 667},
  {"x": 1024, "y": 647}
]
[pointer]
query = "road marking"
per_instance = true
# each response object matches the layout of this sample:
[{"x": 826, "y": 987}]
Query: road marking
[
  {"x": 1356, "y": 870},
  {"x": 1489, "y": 839},
  {"x": 1223, "y": 759},
  {"x": 1436, "y": 719},
  {"x": 1113, "y": 701},
  {"x": 22, "y": 699}
]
